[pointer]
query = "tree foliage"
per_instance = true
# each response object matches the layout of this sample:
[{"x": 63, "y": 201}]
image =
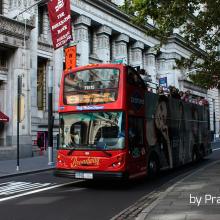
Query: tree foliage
[{"x": 198, "y": 22}]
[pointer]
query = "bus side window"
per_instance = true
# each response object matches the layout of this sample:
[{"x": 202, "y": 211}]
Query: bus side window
[{"x": 135, "y": 131}]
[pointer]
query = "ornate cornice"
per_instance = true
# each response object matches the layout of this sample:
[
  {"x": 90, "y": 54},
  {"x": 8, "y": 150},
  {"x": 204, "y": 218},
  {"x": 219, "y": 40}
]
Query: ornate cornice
[
  {"x": 189, "y": 85},
  {"x": 83, "y": 20},
  {"x": 138, "y": 44},
  {"x": 107, "y": 13},
  {"x": 122, "y": 37},
  {"x": 177, "y": 39},
  {"x": 14, "y": 28},
  {"x": 104, "y": 29},
  {"x": 169, "y": 56},
  {"x": 45, "y": 45},
  {"x": 151, "y": 51}
]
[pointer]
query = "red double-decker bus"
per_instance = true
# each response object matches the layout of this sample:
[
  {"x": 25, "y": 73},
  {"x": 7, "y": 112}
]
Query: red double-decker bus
[{"x": 112, "y": 127}]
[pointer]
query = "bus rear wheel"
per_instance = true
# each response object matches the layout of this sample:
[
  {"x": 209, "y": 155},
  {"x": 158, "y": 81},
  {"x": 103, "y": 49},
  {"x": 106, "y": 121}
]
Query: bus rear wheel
[
  {"x": 201, "y": 152},
  {"x": 153, "y": 167}
]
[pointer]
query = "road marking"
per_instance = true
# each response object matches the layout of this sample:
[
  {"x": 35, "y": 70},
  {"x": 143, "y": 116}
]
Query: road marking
[
  {"x": 16, "y": 187},
  {"x": 215, "y": 149},
  {"x": 38, "y": 190}
]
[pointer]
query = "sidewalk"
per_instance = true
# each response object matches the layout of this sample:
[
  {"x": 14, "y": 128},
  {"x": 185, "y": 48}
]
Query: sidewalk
[
  {"x": 195, "y": 197},
  {"x": 27, "y": 165}
]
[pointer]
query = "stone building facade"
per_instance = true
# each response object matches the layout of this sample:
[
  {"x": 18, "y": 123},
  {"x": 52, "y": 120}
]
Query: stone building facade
[{"x": 103, "y": 34}]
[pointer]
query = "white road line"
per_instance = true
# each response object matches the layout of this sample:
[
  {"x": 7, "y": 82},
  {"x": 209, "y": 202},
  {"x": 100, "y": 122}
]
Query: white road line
[
  {"x": 215, "y": 149},
  {"x": 38, "y": 190}
]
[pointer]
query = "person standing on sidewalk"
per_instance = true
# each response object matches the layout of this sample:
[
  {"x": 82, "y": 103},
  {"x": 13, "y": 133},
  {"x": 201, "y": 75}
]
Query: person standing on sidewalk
[{"x": 40, "y": 142}]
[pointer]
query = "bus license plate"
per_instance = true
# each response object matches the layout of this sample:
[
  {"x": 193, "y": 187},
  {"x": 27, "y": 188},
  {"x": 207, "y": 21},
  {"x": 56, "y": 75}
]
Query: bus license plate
[{"x": 84, "y": 175}]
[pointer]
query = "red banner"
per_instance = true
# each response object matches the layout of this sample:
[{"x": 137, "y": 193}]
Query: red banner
[
  {"x": 70, "y": 57},
  {"x": 60, "y": 22}
]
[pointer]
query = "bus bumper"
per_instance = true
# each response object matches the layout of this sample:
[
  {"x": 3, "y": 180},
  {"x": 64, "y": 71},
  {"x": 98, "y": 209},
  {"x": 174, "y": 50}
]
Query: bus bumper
[{"x": 75, "y": 174}]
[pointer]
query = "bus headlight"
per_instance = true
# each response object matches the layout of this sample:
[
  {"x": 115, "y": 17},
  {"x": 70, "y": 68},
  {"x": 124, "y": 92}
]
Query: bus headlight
[
  {"x": 119, "y": 161},
  {"x": 60, "y": 160}
]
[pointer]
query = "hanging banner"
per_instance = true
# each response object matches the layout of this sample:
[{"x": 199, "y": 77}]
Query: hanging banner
[{"x": 60, "y": 22}]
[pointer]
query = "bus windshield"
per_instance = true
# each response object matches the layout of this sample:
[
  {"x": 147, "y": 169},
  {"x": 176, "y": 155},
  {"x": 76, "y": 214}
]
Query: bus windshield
[
  {"x": 97, "y": 131},
  {"x": 91, "y": 86}
]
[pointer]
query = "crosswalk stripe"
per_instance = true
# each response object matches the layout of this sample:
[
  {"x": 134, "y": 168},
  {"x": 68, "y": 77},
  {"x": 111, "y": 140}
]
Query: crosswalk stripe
[
  {"x": 37, "y": 190},
  {"x": 21, "y": 189},
  {"x": 17, "y": 187},
  {"x": 12, "y": 186}
]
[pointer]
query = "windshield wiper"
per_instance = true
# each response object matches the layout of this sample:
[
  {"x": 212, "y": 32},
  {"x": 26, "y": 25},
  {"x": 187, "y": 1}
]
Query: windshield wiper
[
  {"x": 104, "y": 151},
  {"x": 71, "y": 151}
]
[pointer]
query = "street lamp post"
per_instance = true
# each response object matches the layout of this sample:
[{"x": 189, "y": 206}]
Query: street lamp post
[
  {"x": 18, "y": 117},
  {"x": 50, "y": 117},
  {"x": 214, "y": 125}
]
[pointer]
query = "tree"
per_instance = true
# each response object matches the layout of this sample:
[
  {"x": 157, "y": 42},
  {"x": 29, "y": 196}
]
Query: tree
[{"x": 199, "y": 24}]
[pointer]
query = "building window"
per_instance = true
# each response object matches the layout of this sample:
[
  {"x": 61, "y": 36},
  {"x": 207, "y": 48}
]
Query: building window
[
  {"x": 1, "y": 7},
  {"x": 40, "y": 20},
  {"x": 91, "y": 40},
  {"x": 41, "y": 84},
  {"x": 129, "y": 54},
  {"x": 110, "y": 48},
  {"x": 3, "y": 60}
]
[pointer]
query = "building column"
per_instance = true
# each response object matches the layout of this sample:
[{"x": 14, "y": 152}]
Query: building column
[
  {"x": 137, "y": 54},
  {"x": 33, "y": 68},
  {"x": 5, "y": 7},
  {"x": 168, "y": 62},
  {"x": 103, "y": 43},
  {"x": 121, "y": 50},
  {"x": 81, "y": 37},
  {"x": 46, "y": 27},
  {"x": 162, "y": 70},
  {"x": 57, "y": 73},
  {"x": 21, "y": 66},
  {"x": 150, "y": 63}
]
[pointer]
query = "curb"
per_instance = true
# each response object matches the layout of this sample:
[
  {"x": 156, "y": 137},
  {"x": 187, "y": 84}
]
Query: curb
[{"x": 26, "y": 172}]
